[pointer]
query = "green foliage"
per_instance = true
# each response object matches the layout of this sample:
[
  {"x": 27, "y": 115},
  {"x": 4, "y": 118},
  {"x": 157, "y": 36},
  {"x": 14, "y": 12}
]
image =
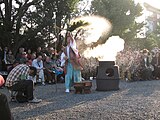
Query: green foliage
[
  {"x": 130, "y": 34},
  {"x": 150, "y": 42},
  {"x": 76, "y": 25},
  {"x": 19, "y": 24},
  {"x": 121, "y": 13},
  {"x": 153, "y": 38},
  {"x": 72, "y": 5}
]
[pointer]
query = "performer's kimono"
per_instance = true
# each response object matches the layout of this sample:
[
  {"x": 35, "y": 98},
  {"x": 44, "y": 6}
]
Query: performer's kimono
[{"x": 72, "y": 65}]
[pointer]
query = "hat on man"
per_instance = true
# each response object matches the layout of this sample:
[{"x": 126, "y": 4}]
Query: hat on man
[{"x": 1, "y": 80}]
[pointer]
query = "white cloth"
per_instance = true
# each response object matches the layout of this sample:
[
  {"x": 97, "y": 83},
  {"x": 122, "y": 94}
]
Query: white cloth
[
  {"x": 145, "y": 61},
  {"x": 74, "y": 46},
  {"x": 68, "y": 51},
  {"x": 39, "y": 66},
  {"x": 62, "y": 59}
]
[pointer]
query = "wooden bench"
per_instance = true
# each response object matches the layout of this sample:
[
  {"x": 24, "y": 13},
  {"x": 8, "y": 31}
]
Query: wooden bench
[{"x": 83, "y": 87}]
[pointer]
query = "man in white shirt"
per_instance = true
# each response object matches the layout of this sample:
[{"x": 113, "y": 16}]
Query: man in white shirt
[{"x": 38, "y": 64}]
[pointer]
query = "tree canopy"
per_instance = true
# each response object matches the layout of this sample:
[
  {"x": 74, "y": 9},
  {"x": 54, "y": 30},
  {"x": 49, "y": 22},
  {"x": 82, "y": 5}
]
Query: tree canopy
[
  {"x": 33, "y": 21},
  {"x": 122, "y": 15}
]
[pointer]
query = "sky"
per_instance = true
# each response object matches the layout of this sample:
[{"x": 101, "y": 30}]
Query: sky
[{"x": 154, "y": 3}]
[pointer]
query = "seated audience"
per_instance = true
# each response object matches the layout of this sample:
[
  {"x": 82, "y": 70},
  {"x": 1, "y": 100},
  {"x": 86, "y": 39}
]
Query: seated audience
[
  {"x": 19, "y": 54},
  {"x": 48, "y": 70},
  {"x": 10, "y": 57},
  {"x": 9, "y": 60},
  {"x": 29, "y": 54},
  {"x": 38, "y": 64}
]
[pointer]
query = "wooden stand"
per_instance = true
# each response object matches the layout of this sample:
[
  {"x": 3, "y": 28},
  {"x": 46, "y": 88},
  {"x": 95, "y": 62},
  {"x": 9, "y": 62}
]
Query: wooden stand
[
  {"x": 87, "y": 87},
  {"x": 83, "y": 87}
]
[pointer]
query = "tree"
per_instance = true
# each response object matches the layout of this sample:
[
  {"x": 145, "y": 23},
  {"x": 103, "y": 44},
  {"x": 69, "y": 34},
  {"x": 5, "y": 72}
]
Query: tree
[
  {"x": 26, "y": 20},
  {"x": 53, "y": 15},
  {"x": 153, "y": 38},
  {"x": 14, "y": 29},
  {"x": 122, "y": 15}
]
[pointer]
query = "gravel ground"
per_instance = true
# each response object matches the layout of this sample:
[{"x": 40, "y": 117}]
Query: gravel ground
[{"x": 134, "y": 101}]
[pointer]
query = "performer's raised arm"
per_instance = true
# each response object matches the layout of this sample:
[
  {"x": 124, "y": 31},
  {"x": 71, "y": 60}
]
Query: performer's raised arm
[{"x": 73, "y": 44}]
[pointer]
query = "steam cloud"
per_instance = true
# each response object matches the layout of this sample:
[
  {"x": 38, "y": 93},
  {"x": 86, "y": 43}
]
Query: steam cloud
[
  {"x": 94, "y": 42},
  {"x": 97, "y": 27},
  {"x": 107, "y": 51}
]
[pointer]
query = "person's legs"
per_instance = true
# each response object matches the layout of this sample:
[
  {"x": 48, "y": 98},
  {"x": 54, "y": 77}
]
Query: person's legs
[
  {"x": 77, "y": 76},
  {"x": 60, "y": 78},
  {"x": 41, "y": 76},
  {"x": 68, "y": 76},
  {"x": 48, "y": 76},
  {"x": 26, "y": 86},
  {"x": 150, "y": 77},
  {"x": 5, "y": 113},
  {"x": 35, "y": 79},
  {"x": 54, "y": 79},
  {"x": 144, "y": 74},
  {"x": 158, "y": 71}
]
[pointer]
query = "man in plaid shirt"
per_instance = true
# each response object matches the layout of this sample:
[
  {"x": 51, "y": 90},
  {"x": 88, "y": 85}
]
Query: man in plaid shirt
[{"x": 17, "y": 81}]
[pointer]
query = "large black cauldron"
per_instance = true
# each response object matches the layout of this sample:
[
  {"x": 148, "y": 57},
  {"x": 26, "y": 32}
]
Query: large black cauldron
[{"x": 107, "y": 76}]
